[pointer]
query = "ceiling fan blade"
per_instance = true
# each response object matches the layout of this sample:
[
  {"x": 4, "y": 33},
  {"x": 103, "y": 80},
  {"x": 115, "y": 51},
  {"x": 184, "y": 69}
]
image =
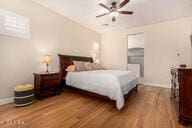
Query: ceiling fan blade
[
  {"x": 102, "y": 15},
  {"x": 104, "y": 6},
  {"x": 122, "y": 4},
  {"x": 126, "y": 12}
]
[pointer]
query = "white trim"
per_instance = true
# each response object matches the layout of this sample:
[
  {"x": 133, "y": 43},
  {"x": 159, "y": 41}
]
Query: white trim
[
  {"x": 157, "y": 85},
  {"x": 6, "y": 101}
]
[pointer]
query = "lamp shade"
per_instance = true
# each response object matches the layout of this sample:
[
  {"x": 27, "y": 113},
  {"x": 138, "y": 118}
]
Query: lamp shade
[
  {"x": 47, "y": 59},
  {"x": 97, "y": 61}
]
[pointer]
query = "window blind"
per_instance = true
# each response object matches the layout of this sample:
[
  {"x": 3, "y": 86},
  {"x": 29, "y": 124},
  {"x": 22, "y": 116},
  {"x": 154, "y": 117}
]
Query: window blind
[{"x": 12, "y": 24}]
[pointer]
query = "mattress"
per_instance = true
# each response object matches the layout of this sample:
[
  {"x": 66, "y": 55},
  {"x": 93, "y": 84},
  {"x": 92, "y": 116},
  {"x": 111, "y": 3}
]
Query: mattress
[{"x": 111, "y": 83}]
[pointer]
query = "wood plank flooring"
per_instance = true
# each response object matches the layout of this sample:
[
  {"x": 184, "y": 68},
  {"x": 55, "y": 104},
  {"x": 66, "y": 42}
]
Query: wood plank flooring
[{"x": 150, "y": 107}]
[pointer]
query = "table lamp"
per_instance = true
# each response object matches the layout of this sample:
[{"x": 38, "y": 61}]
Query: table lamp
[
  {"x": 97, "y": 61},
  {"x": 47, "y": 61}
]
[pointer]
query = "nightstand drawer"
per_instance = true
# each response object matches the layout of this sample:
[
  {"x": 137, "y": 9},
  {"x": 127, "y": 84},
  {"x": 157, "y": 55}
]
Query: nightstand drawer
[
  {"x": 51, "y": 83},
  {"x": 50, "y": 77}
]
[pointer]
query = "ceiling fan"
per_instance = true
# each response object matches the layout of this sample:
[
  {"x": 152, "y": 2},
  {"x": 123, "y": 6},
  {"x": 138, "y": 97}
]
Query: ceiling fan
[{"x": 114, "y": 10}]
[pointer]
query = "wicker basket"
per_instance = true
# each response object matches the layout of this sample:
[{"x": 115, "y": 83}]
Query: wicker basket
[{"x": 24, "y": 95}]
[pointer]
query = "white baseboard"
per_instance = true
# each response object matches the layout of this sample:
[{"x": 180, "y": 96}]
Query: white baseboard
[
  {"x": 6, "y": 101},
  {"x": 157, "y": 85}
]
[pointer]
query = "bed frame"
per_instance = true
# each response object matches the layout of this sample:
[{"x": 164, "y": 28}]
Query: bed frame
[{"x": 66, "y": 60}]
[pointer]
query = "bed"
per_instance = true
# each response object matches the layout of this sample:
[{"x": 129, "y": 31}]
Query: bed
[{"x": 113, "y": 85}]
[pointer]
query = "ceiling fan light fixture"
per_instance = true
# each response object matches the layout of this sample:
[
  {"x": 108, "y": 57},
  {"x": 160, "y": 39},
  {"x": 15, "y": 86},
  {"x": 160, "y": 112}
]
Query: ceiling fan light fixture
[
  {"x": 114, "y": 10},
  {"x": 114, "y": 14}
]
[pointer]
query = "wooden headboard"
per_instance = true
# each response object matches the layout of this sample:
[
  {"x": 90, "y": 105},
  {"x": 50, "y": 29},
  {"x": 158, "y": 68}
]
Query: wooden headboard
[{"x": 66, "y": 60}]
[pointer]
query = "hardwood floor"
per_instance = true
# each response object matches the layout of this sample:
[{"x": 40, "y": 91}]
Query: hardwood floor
[{"x": 150, "y": 107}]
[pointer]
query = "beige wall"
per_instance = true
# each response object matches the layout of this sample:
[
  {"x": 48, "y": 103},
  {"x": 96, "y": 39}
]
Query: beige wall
[
  {"x": 50, "y": 33},
  {"x": 162, "y": 42}
]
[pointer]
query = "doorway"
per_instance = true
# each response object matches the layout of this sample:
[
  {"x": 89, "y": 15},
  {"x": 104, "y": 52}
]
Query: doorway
[{"x": 136, "y": 47}]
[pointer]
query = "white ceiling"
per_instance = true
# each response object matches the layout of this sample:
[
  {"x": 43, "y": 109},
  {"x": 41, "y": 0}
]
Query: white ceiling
[{"x": 145, "y": 12}]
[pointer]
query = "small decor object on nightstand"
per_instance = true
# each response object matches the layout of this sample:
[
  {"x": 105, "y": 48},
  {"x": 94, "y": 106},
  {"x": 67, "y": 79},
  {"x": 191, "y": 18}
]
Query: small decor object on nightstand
[
  {"x": 47, "y": 84},
  {"x": 47, "y": 61},
  {"x": 24, "y": 95}
]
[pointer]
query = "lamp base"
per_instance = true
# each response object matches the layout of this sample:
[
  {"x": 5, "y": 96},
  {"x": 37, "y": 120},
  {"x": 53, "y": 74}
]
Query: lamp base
[{"x": 47, "y": 71}]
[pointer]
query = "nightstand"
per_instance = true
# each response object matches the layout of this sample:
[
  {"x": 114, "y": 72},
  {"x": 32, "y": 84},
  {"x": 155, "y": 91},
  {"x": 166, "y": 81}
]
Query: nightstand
[{"x": 47, "y": 84}]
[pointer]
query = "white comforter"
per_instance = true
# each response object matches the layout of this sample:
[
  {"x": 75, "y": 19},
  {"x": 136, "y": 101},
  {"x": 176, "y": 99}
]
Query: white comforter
[{"x": 111, "y": 83}]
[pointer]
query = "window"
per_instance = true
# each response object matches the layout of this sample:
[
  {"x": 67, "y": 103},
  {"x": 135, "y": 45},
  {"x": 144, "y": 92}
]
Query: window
[{"x": 12, "y": 24}]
